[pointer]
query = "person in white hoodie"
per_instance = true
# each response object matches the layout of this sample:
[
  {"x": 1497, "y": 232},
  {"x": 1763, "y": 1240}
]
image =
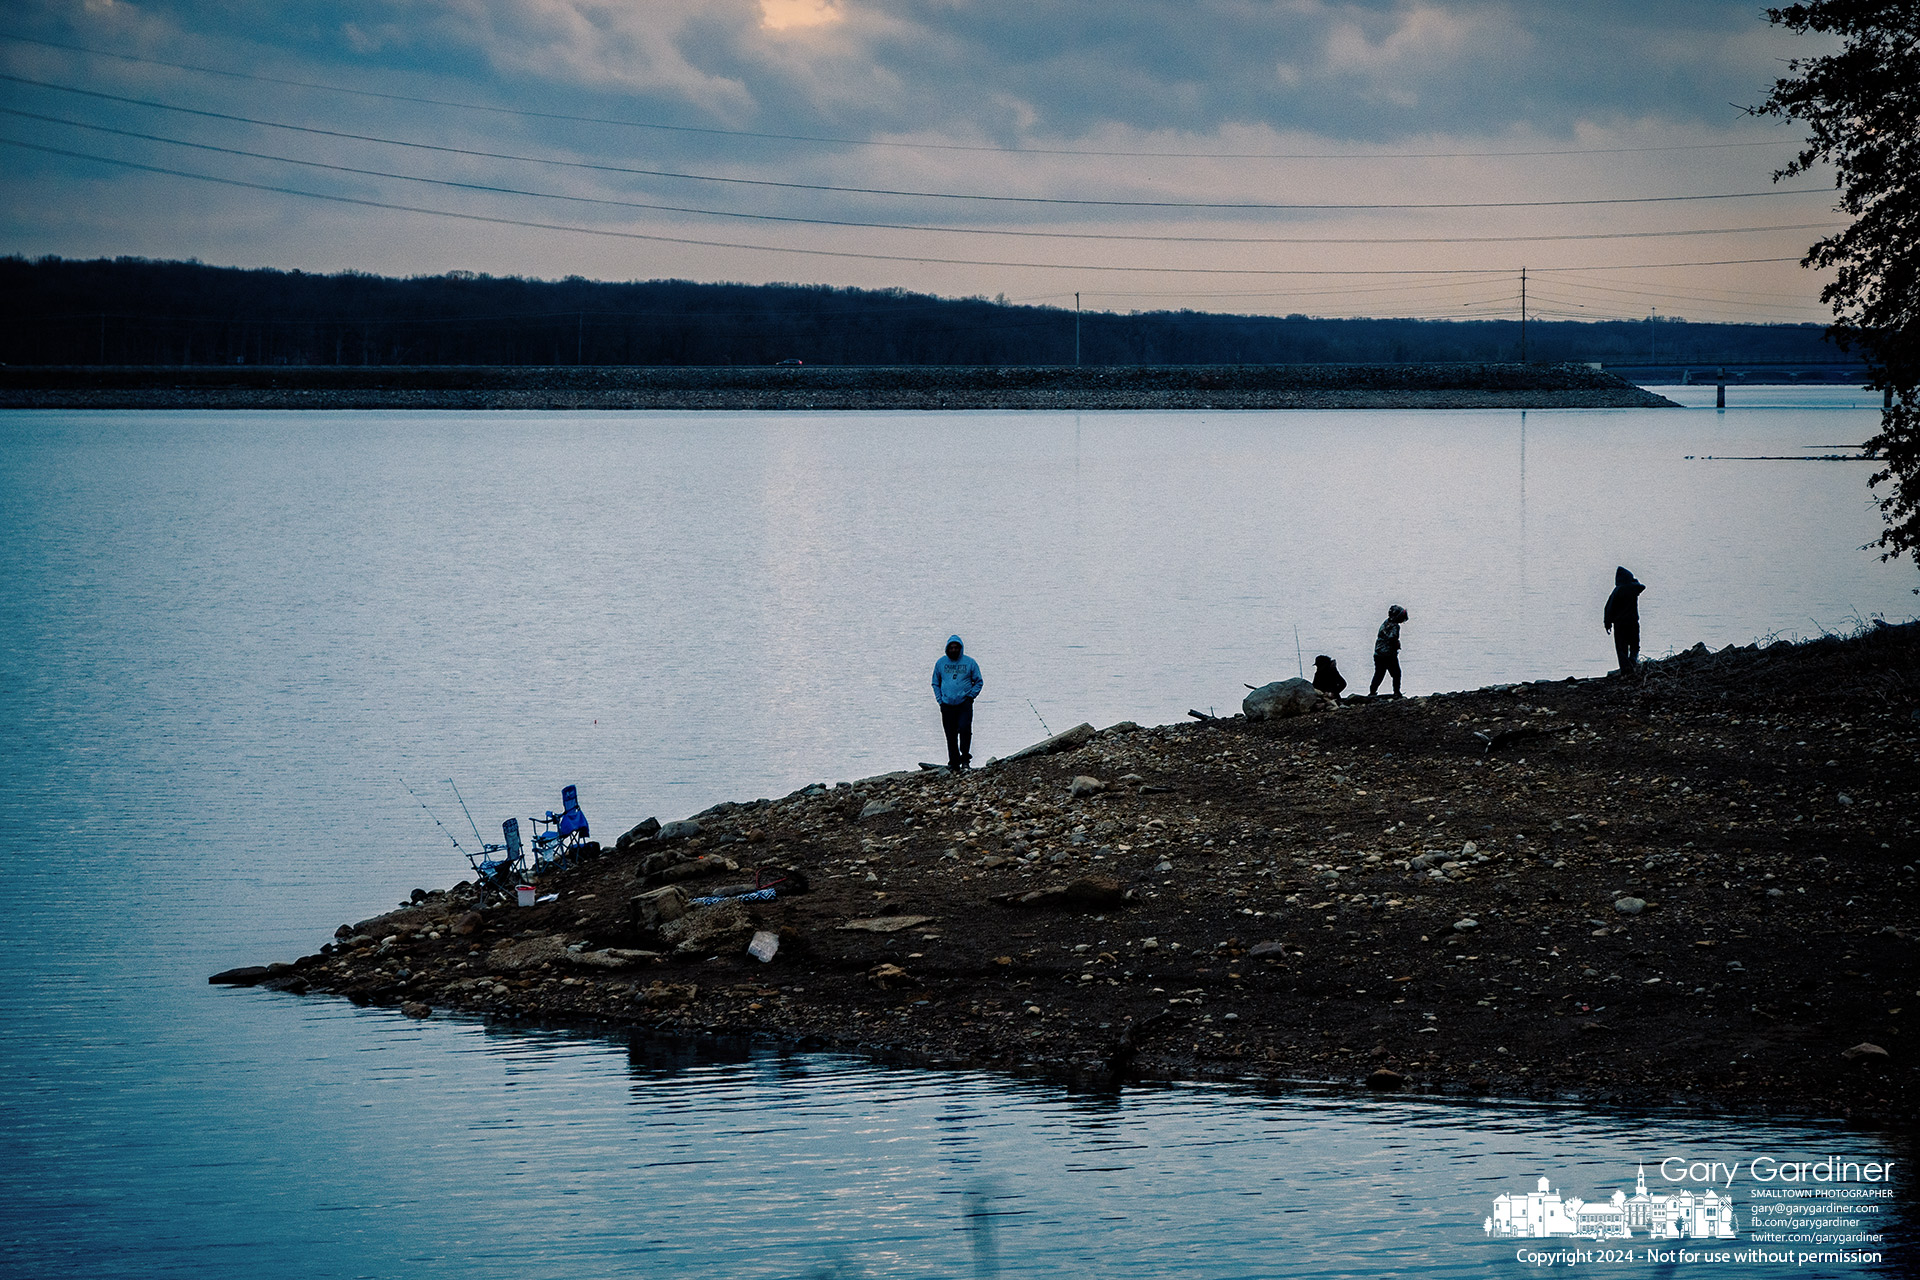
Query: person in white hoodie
[{"x": 956, "y": 683}]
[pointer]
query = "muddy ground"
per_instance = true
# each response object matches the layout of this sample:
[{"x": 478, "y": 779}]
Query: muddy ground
[{"x": 1366, "y": 893}]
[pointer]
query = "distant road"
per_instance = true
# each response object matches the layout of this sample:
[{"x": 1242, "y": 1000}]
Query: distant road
[{"x": 1326, "y": 386}]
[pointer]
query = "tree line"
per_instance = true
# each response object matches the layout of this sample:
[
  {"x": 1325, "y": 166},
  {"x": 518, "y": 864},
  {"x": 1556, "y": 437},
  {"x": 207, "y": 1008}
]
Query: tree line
[{"x": 135, "y": 311}]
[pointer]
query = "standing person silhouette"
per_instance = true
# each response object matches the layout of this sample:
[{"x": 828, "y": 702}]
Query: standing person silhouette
[
  {"x": 1623, "y": 619},
  {"x": 1386, "y": 651},
  {"x": 956, "y": 683}
]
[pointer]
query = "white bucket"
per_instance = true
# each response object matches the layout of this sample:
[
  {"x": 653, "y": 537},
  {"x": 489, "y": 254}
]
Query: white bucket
[{"x": 526, "y": 892}]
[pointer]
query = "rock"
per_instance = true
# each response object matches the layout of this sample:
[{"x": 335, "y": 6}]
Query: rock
[
  {"x": 1630, "y": 906},
  {"x": 670, "y": 872},
  {"x": 467, "y": 924},
  {"x": 528, "y": 953},
  {"x": 668, "y": 995},
  {"x": 685, "y": 829},
  {"x": 656, "y": 907},
  {"x": 1465, "y": 926},
  {"x": 884, "y": 924},
  {"x": 1266, "y": 950},
  {"x": 1386, "y": 1080},
  {"x": 644, "y": 831},
  {"x": 344, "y": 931},
  {"x": 1131, "y": 779},
  {"x": 1078, "y": 736},
  {"x": 415, "y": 1009},
  {"x": 764, "y": 946},
  {"x": 725, "y": 926},
  {"x": 1083, "y": 786},
  {"x": 1094, "y": 892},
  {"x": 248, "y": 976},
  {"x": 609, "y": 958},
  {"x": 1866, "y": 1050},
  {"x": 1283, "y": 699},
  {"x": 878, "y": 808},
  {"x": 888, "y": 976}
]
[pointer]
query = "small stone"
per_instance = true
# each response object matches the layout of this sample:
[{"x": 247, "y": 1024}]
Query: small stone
[
  {"x": 1163, "y": 866},
  {"x": 1261, "y": 950},
  {"x": 1868, "y": 1050},
  {"x": 1465, "y": 926},
  {"x": 466, "y": 924},
  {"x": 1385, "y": 1080},
  {"x": 878, "y": 808},
  {"x": 667, "y": 995},
  {"x": 1132, "y": 779},
  {"x": 1083, "y": 786},
  {"x": 1630, "y": 906},
  {"x": 886, "y": 976},
  {"x": 415, "y": 1009},
  {"x": 1468, "y": 849}
]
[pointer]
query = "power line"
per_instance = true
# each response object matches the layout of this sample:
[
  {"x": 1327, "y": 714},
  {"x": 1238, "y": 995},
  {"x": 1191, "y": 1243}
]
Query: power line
[
  {"x": 610, "y": 233},
  {"x": 1244, "y": 205},
  {"x": 893, "y": 226},
  {"x": 869, "y": 142}
]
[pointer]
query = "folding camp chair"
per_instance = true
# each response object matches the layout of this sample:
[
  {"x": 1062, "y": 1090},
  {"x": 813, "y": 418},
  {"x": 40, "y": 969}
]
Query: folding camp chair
[
  {"x": 558, "y": 837},
  {"x": 501, "y": 867}
]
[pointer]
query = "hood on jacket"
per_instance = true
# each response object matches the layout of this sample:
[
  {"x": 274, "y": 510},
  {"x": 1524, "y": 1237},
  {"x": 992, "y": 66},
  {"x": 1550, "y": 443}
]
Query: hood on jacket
[
  {"x": 1622, "y": 578},
  {"x": 958, "y": 641}
]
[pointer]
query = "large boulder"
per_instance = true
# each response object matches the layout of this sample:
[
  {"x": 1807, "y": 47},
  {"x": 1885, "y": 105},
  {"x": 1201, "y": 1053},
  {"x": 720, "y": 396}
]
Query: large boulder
[
  {"x": 658, "y": 907},
  {"x": 1283, "y": 699},
  {"x": 722, "y": 927}
]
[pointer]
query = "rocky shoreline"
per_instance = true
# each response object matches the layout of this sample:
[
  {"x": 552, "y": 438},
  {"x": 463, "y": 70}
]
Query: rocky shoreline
[
  {"x": 1698, "y": 886},
  {"x": 939, "y": 387}
]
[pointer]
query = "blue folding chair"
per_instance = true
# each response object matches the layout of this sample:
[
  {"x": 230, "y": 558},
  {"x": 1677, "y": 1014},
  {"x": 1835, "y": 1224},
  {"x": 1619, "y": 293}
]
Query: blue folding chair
[
  {"x": 501, "y": 867},
  {"x": 558, "y": 837}
]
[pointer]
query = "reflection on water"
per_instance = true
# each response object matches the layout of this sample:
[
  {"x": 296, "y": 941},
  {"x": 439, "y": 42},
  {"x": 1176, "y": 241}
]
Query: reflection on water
[
  {"x": 452, "y": 1148},
  {"x": 229, "y": 635}
]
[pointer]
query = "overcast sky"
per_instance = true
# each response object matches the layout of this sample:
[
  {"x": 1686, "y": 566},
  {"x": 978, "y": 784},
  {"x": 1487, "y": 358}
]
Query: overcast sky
[{"x": 1029, "y": 149}]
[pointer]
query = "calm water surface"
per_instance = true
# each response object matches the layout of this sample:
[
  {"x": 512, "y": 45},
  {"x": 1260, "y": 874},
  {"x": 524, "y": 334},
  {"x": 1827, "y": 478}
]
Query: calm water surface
[{"x": 229, "y": 637}]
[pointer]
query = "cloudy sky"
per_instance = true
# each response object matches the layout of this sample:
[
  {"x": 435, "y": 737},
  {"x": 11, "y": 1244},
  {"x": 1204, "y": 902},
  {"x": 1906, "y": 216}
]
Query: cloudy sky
[{"x": 1332, "y": 157}]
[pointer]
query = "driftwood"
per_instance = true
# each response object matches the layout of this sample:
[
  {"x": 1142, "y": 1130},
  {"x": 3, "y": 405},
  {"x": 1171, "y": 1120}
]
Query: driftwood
[
  {"x": 1203, "y": 716},
  {"x": 1078, "y": 736}
]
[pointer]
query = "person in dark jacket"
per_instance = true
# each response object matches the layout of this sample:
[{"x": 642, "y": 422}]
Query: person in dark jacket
[
  {"x": 1386, "y": 651},
  {"x": 956, "y": 683},
  {"x": 1327, "y": 678},
  {"x": 1623, "y": 619}
]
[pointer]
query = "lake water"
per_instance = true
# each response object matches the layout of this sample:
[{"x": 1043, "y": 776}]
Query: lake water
[{"x": 231, "y": 636}]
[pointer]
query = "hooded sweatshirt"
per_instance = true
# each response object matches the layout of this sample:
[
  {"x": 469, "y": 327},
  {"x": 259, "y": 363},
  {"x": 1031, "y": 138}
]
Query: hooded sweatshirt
[
  {"x": 956, "y": 679},
  {"x": 1623, "y": 606}
]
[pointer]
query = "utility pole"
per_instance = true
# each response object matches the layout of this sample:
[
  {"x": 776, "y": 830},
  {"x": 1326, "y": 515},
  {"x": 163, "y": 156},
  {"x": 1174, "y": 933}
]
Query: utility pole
[
  {"x": 579, "y": 335},
  {"x": 1651, "y": 321},
  {"x": 1523, "y": 315},
  {"x": 1076, "y": 328}
]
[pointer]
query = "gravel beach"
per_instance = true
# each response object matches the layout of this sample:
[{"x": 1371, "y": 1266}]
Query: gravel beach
[{"x": 1695, "y": 886}]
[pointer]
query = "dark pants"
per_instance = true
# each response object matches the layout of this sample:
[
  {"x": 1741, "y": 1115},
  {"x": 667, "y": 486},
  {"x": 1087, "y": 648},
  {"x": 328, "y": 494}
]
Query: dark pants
[
  {"x": 1384, "y": 665},
  {"x": 1626, "y": 646},
  {"x": 957, "y": 719}
]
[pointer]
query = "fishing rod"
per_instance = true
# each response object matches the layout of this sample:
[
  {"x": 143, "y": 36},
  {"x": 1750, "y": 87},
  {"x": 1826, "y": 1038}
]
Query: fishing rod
[
  {"x": 1299, "y": 662},
  {"x": 436, "y": 822},
  {"x": 478, "y": 838},
  {"x": 1037, "y": 716}
]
